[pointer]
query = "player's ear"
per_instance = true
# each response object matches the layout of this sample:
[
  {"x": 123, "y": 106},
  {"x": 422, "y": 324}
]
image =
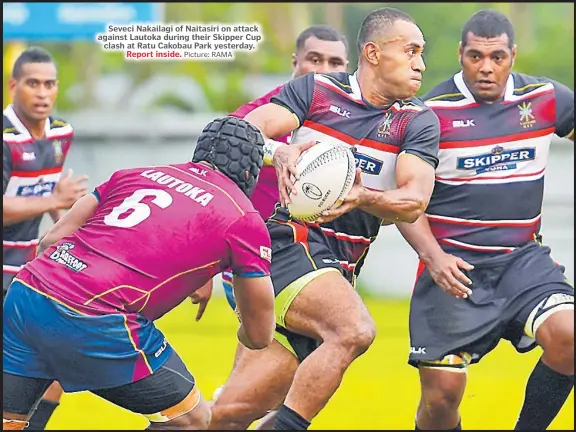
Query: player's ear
[
  {"x": 513, "y": 54},
  {"x": 294, "y": 62},
  {"x": 12, "y": 86},
  {"x": 372, "y": 53},
  {"x": 460, "y": 52}
]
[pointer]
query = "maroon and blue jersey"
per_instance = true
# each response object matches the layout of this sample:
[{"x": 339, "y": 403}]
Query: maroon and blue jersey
[{"x": 158, "y": 234}]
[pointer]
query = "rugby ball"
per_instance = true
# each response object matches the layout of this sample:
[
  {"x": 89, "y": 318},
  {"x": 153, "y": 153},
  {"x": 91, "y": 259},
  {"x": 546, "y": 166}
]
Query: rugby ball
[{"x": 327, "y": 174}]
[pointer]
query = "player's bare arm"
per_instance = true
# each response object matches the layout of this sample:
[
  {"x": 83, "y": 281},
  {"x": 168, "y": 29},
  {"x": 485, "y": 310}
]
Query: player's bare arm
[
  {"x": 255, "y": 299},
  {"x": 66, "y": 193},
  {"x": 275, "y": 121},
  {"x": 80, "y": 212},
  {"x": 415, "y": 181},
  {"x": 444, "y": 268}
]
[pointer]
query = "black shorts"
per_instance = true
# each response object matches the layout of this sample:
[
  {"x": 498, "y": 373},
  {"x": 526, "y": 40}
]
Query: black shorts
[
  {"x": 505, "y": 291},
  {"x": 165, "y": 388},
  {"x": 297, "y": 250}
]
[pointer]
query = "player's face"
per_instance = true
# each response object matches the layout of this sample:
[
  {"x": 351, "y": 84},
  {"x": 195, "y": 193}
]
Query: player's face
[
  {"x": 34, "y": 93},
  {"x": 400, "y": 63},
  {"x": 486, "y": 65},
  {"x": 319, "y": 56}
]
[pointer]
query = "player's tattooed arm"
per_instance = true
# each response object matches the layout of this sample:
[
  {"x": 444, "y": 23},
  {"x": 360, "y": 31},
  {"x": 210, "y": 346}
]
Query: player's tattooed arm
[{"x": 80, "y": 212}]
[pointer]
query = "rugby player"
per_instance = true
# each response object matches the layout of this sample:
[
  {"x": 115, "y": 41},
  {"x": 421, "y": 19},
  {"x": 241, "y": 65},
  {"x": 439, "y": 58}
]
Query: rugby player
[
  {"x": 318, "y": 49},
  {"x": 322, "y": 324},
  {"x": 82, "y": 312},
  {"x": 34, "y": 147},
  {"x": 485, "y": 274}
]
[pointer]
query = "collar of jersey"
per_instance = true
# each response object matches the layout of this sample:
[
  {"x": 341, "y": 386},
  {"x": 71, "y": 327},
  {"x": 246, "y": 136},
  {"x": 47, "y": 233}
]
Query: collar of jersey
[
  {"x": 463, "y": 88},
  {"x": 11, "y": 115}
]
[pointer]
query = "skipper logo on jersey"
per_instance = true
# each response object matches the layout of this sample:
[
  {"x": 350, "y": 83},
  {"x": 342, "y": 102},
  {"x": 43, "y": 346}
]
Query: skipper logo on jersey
[
  {"x": 38, "y": 189},
  {"x": 527, "y": 118},
  {"x": 62, "y": 256},
  {"x": 498, "y": 160},
  {"x": 367, "y": 164}
]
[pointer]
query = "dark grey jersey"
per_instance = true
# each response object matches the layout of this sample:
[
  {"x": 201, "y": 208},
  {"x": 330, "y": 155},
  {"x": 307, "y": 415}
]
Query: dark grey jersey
[
  {"x": 331, "y": 108},
  {"x": 490, "y": 180},
  {"x": 31, "y": 168}
]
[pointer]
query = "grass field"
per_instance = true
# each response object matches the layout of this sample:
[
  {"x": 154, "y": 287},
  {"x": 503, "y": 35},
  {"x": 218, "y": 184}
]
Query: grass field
[{"x": 379, "y": 391}]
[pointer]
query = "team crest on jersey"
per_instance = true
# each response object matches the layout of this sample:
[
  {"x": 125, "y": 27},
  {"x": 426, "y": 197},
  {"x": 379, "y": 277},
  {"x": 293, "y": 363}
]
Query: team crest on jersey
[
  {"x": 527, "y": 117},
  {"x": 58, "y": 153},
  {"x": 62, "y": 255},
  {"x": 498, "y": 159},
  {"x": 384, "y": 128}
]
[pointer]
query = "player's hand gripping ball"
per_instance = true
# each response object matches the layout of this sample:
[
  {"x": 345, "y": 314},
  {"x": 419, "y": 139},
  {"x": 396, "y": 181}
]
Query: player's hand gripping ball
[{"x": 326, "y": 176}]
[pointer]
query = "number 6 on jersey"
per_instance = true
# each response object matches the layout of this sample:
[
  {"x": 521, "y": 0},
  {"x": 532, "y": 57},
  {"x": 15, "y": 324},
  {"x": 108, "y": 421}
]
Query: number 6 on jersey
[{"x": 140, "y": 211}]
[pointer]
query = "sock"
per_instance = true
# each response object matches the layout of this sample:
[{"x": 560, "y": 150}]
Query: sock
[
  {"x": 288, "y": 419},
  {"x": 458, "y": 426},
  {"x": 43, "y": 412},
  {"x": 546, "y": 392}
]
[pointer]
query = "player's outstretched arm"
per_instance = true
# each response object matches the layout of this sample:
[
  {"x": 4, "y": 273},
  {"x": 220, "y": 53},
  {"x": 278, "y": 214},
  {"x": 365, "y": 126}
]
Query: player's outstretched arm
[
  {"x": 77, "y": 216},
  {"x": 255, "y": 301}
]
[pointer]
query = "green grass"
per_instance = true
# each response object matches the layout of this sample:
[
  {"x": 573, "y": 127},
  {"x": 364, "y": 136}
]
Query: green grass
[{"x": 379, "y": 391}]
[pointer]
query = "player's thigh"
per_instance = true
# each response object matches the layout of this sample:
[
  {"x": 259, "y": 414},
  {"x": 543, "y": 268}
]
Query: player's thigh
[
  {"x": 313, "y": 299},
  {"x": 326, "y": 307},
  {"x": 20, "y": 394},
  {"x": 168, "y": 395},
  {"x": 258, "y": 383},
  {"x": 546, "y": 318}
]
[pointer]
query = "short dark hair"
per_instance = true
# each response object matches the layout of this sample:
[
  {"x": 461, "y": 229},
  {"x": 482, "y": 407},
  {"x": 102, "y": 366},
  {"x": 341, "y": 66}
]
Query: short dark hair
[
  {"x": 322, "y": 32},
  {"x": 488, "y": 24},
  {"x": 379, "y": 21},
  {"x": 30, "y": 55}
]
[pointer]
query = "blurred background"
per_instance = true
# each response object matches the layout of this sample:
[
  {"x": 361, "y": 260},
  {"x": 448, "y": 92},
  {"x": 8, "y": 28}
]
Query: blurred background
[{"x": 129, "y": 114}]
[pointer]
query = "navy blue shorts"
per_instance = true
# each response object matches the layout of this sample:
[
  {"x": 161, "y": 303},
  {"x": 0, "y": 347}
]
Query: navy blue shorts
[
  {"x": 44, "y": 339},
  {"x": 511, "y": 293}
]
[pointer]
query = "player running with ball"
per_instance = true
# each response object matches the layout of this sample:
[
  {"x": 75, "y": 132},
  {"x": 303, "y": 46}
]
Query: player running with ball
[{"x": 322, "y": 323}]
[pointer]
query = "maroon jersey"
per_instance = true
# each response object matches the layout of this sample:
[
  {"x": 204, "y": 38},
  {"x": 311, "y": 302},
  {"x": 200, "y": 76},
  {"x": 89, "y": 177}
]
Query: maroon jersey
[{"x": 158, "y": 234}]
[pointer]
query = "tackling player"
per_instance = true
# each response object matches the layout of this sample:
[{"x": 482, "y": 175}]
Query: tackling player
[
  {"x": 322, "y": 324},
  {"x": 34, "y": 147},
  {"x": 82, "y": 312},
  {"x": 484, "y": 273},
  {"x": 319, "y": 49}
]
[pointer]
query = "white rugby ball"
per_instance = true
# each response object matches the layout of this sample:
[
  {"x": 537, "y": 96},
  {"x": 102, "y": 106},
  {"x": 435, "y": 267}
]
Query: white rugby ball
[{"x": 326, "y": 176}]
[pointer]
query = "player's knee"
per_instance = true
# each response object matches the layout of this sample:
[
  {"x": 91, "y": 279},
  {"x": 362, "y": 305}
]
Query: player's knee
[
  {"x": 442, "y": 391},
  {"x": 441, "y": 401},
  {"x": 357, "y": 338},
  {"x": 556, "y": 336},
  {"x": 233, "y": 415}
]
